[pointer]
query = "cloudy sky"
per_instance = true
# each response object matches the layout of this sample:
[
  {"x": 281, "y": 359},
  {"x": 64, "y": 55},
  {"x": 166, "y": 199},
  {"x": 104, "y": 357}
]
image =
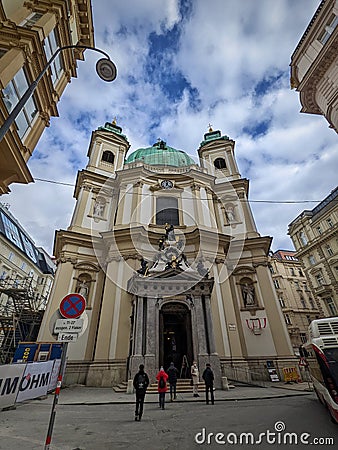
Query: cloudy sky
[{"x": 183, "y": 64}]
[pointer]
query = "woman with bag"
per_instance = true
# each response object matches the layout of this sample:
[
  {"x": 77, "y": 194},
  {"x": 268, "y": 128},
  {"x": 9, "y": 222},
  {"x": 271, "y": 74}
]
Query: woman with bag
[{"x": 161, "y": 378}]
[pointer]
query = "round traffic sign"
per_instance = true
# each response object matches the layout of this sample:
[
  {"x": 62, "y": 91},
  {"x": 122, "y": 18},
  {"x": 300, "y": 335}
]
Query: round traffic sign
[{"x": 72, "y": 306}]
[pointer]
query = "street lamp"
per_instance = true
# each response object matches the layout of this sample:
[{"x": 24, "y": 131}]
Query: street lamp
[{"x": 105, "y": 69}]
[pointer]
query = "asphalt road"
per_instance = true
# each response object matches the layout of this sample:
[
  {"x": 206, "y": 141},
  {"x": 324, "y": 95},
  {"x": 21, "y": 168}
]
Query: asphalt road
[{"x": 112, "y": 426}]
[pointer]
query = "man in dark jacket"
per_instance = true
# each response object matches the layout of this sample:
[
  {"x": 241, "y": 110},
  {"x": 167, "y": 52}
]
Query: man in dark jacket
[
  {"x": 140, "y": 383},
  {"x": 208, "y": 377},
  {"x": 172, "y": 378}
]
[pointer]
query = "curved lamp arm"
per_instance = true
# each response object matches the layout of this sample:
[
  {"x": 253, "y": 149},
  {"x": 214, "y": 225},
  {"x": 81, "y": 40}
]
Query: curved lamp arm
[{"x": 105, "y": 69}]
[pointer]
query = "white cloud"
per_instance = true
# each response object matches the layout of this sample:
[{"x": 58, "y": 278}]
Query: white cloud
[{"x": 226, "y": 49}]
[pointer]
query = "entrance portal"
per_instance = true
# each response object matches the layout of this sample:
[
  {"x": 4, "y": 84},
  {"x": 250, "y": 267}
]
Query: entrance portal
[{"x": 175, "y": 337}]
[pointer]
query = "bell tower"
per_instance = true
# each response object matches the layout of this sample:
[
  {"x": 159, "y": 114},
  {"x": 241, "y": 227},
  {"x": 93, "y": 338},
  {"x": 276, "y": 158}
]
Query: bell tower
[
  {"x": 216, "y": 154},
  {"x": 107, "y": 151}
]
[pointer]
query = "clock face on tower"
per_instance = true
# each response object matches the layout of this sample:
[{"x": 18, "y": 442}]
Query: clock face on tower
[{"x": 167, "y": 184}]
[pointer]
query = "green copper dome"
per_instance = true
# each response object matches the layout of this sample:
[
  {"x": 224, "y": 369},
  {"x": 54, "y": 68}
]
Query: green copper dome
[{"x": 160, "y": 154}]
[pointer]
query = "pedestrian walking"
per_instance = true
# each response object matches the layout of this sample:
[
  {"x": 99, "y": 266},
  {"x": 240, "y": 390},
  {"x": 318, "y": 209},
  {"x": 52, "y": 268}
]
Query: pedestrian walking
[
  {"x": 172, "y": 378},
  {"x": 195, "y": 378},
  {"x": 161, "y": 378},
  {"x": 140, "y": 383},
  {"x": 208, "y": 377}
]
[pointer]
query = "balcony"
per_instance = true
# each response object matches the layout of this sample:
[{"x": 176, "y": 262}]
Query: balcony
[
  {"x": 323, "y": 290},
  {"x": 293, "y": 330}
]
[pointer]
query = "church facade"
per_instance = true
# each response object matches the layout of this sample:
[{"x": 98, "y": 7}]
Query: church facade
[{"x": 168, "y": 257}]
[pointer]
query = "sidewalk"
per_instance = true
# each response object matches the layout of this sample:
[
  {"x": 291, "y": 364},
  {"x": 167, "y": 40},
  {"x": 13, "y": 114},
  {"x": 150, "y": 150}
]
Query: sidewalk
[{"x": 83, "y": 395}]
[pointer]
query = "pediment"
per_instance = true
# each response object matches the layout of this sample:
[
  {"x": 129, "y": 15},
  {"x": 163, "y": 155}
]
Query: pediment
[
  {"x": 86, "y": 267},
  {"x": 178, "y": 273},
  {"x": 244, "y": 270}
]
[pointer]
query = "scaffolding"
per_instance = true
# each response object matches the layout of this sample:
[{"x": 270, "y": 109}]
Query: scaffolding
[{"x": 21, "y": 312}]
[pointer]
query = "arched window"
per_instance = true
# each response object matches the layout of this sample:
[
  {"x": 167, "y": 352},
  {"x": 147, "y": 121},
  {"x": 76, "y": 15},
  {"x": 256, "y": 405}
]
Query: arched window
[
  {"x": 167, "y": 211},
  {"x": 108, "y": 157},
  {"x": 219, "y": 163}
]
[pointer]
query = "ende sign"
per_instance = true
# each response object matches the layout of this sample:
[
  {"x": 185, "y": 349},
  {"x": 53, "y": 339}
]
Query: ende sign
[{"x": 67, "y": 337}]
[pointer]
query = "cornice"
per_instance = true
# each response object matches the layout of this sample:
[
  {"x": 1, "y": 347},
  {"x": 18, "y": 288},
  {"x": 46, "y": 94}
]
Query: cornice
[
  {"x": 216, "y": 144},
  {"x": 308, "y": 86},
  {"x": 63, "y": 238},
  {"x": 314, "y": 244},
  {"x": 261, "y": 242},
  {"x": 110, "y": 136},
  {"x": 89, "y": 180}
]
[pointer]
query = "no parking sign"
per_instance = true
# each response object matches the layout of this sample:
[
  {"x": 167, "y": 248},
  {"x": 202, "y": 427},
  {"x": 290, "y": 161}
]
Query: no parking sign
[{"x": 72, "y": 306}]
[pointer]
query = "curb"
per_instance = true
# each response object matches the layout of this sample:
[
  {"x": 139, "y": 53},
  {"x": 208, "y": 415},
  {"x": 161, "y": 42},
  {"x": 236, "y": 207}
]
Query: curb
[{"x": 132, "y": 402}]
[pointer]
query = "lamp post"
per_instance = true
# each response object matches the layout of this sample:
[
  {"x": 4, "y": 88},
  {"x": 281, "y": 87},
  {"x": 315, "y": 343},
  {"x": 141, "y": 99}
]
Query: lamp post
[{"x": 105, "y": 68}]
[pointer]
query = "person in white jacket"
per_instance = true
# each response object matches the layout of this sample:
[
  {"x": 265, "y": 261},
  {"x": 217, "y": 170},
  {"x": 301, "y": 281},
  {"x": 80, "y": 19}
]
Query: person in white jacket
[{"x": 195, "y": 378}]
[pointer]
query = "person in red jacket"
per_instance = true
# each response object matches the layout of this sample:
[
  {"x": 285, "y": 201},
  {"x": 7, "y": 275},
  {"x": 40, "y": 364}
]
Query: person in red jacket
[{"x": 162, "y": 388}]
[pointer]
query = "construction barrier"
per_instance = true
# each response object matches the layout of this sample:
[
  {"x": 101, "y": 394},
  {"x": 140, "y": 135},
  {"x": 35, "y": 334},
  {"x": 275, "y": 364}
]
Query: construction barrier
[
  {"x": 291, "y": 375},
  {"x": 19, "y": 382}
]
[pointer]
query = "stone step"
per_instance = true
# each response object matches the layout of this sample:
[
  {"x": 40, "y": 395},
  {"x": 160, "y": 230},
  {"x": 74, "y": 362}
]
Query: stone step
[{"x": 182, "y": 386}]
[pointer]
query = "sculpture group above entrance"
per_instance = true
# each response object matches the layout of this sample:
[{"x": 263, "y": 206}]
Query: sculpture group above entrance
[{"x": 170, "y": 256}]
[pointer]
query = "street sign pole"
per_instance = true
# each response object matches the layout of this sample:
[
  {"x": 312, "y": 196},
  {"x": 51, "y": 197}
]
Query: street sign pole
[
  {"x": 56, "y": 396},
  {"x": 71, "y": 308}
]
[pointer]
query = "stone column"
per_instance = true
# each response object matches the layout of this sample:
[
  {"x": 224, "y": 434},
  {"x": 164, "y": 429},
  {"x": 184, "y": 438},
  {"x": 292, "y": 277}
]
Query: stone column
[
  {"x": 136, "y": 202},
  {"x": 120, "y": 205},
  {"x": 149, "y": 358},
  {"x": 211, "y": 208},
  {"x": 212, "y": 346},
  {"x": 197, "y": 204},
  {"x": 202, "y": 342},
  {"x": 137, "y": 358},
  {"x": 139, "y": 326},
  {"x": 213, "y": 357}
]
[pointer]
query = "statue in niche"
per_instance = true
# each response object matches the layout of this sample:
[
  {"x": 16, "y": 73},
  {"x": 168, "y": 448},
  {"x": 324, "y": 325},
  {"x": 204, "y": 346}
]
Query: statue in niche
[
  {"x": 248, "y": 293},
  {"x": 144, "y": 268},
  {"x": 169, "y": 232},
  {"x": 230, "y": 213},
  {"x": 83, "y": 289},
  {"x": 98, "y": 208}
]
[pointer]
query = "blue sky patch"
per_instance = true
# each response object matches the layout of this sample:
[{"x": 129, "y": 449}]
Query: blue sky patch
[
  {"x": 257, "y": 129},
  {"x": 267, "y": 83}
]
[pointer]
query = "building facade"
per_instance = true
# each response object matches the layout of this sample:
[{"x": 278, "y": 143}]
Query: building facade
[
  {"x": 314, "y": 234},
  {"x": 314, "y": 64},
  {"x": 167, "y": 254},
  {"x": 31, "y": 32},
  {"x": 26, "y": 276},
  {"x": 294, "y": 295}
]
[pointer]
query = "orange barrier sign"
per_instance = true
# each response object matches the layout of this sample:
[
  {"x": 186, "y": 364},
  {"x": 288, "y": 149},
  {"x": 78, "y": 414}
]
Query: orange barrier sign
[{"x": 291, "y": 374}]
